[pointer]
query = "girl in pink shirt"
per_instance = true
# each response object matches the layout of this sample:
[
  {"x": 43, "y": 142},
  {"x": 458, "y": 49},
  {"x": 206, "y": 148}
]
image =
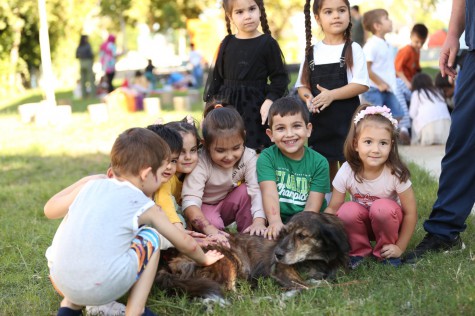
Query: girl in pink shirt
[
  {"x": 382, "y": 206},
  {"x": 223, "y": 187}
]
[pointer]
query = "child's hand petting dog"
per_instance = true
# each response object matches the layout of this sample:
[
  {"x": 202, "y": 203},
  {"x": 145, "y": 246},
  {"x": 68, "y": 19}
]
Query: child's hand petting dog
[
  {"x": 205, "y": 241},
  {"x": 220, "y": 237},
  {"x": 200, "y": 238},
  {"x": 194, "y": 234},
  {"x": 211, "y": 256},
  {"x": 273, "y": 230},
  {"x": 257, "y": 228}
]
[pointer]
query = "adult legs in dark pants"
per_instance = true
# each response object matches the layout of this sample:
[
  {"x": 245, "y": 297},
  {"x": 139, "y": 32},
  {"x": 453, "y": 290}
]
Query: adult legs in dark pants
[
  {"x": 110, "y": 77},
  {"x": 456, "y": 194}
]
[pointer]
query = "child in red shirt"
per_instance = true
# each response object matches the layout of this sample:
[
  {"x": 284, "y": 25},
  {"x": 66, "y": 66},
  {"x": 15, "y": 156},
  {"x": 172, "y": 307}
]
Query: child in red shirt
[{"x": 407, "y": 58}]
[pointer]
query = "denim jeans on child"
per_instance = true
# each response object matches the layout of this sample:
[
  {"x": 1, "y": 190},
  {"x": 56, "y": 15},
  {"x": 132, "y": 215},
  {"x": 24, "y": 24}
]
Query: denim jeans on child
[{"x": 375, "y": 97}]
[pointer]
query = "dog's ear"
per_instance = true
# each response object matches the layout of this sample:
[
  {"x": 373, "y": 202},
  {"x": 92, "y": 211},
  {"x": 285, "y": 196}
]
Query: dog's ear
[{"x": 333, "y": 233}]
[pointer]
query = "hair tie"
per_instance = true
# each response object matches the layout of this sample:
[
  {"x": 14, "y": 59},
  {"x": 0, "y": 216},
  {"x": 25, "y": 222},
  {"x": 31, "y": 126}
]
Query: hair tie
[
  {"x": 373, "y": 110},
  {"x": 217, "y": 106},
  {"x": 190, "y": 120}
]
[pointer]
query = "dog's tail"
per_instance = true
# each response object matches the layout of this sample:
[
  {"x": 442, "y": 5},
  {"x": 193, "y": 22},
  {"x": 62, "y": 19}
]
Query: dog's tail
[{"x": 198, "y": 287}]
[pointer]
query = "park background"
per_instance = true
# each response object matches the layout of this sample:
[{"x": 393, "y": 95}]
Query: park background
[
  {"x": 162, "y": 31},
  {"x": 38, "y": 158}
]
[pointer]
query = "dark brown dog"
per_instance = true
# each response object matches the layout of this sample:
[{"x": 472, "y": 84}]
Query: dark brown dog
[{"x": 311, "y": 244}]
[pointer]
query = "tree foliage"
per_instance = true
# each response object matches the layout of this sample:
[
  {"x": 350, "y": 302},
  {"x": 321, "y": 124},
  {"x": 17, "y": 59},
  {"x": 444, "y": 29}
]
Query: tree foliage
[
  {"x": 16, "y": 16},
  {"x": 114, "y": 8},
  {"x": 278, "y": 13},
  {"x": 19, "y": 20},
  {"x": 173, "y": 14}
]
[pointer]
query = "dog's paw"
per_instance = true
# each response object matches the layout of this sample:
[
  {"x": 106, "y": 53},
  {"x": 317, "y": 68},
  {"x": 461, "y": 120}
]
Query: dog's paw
[
  {"x": 315, "y": 282},
  {"x": 289, "y": 294},
  {"x": 211, "y": 301}
]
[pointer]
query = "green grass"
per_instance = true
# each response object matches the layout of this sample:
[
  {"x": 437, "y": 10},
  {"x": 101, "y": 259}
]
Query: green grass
[
  {"x": 36, "y": 162},
  {"x": 430, "y": 70}
]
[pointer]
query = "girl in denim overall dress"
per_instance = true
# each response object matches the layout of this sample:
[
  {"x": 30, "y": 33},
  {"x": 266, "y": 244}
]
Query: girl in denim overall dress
[{"x": 331, "y": 77}]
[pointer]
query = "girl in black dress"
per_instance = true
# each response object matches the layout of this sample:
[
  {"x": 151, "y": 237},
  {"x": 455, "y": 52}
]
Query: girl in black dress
[{"x": 249, "y": 71}]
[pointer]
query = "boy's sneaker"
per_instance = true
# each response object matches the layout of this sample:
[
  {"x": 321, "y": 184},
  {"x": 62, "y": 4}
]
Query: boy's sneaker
[
  {"x": 148, "y": 312},
  {"x": 434, "y": 243},
  {"x": 395, "y": 262},
  {"x": 66, "y": 311},
  {"x": 355, "y": 261},
  {"x": 110, "y": 309}
]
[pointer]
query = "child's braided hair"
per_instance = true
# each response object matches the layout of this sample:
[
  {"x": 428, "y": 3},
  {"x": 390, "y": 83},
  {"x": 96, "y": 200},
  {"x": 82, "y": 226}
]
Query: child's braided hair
[{"x": 317, "y": 6}]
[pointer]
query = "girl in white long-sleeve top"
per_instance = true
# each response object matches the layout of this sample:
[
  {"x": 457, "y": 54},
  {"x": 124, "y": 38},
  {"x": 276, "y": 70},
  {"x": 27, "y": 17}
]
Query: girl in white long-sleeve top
[{"x": 429, "y": 113}]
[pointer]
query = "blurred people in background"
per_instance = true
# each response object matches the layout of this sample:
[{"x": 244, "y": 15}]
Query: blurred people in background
[
  {"x": 86, "y": 60},
  {"x": 428, "y": 111},
  {"x": 150, "y": 75},
  {"x": 196, "y": 61},
  {"x": 407, "y": 65},
  {"x": 181, "y": 80},
  {"x": 357, "y": 31},
  {"x": 140, "y": 83},
  {"x": 447, "y": 87},
  {"x": 108, "y": 55},
  {"x": 407, "y": 61}
]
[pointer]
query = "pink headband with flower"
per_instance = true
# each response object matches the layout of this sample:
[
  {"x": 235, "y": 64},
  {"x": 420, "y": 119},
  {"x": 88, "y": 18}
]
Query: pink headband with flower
[{"x": 380, "y": 110}]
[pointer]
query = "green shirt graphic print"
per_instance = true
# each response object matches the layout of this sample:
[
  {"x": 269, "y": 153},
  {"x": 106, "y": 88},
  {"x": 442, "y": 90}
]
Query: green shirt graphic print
[{"x": 295, "y": 179}]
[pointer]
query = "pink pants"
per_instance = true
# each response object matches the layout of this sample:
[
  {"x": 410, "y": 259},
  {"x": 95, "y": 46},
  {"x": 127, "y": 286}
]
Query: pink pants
[
  {"x": 380, "y": 223},
  {"x": 236, "y": 206}
]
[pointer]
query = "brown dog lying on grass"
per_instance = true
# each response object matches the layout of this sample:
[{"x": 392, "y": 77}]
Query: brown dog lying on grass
[{"x": 313, "y": 245}]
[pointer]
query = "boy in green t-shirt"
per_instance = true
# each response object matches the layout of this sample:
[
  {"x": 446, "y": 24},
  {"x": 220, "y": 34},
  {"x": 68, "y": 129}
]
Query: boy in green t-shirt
[{"x": 292, "y": 177}]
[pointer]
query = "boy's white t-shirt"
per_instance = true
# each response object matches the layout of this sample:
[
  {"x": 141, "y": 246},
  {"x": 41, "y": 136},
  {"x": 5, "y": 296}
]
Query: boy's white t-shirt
[
  {"x": 381, "y": 54},
  {"x": 330, "y": 54},
  {"x": 90, "y": 258},
  {"x": 386, "y": 186},
  {"x": 195, "y": 58}
]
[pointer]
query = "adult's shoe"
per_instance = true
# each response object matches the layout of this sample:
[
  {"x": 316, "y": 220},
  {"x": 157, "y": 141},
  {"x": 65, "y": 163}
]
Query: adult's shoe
[{"x": 433, "y": 243}]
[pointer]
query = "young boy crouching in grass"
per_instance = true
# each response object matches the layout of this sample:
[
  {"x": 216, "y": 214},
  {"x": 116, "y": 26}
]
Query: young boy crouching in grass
[
  {"x": 292, "y": 177},
  {"x": 109, "y": 240}
]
